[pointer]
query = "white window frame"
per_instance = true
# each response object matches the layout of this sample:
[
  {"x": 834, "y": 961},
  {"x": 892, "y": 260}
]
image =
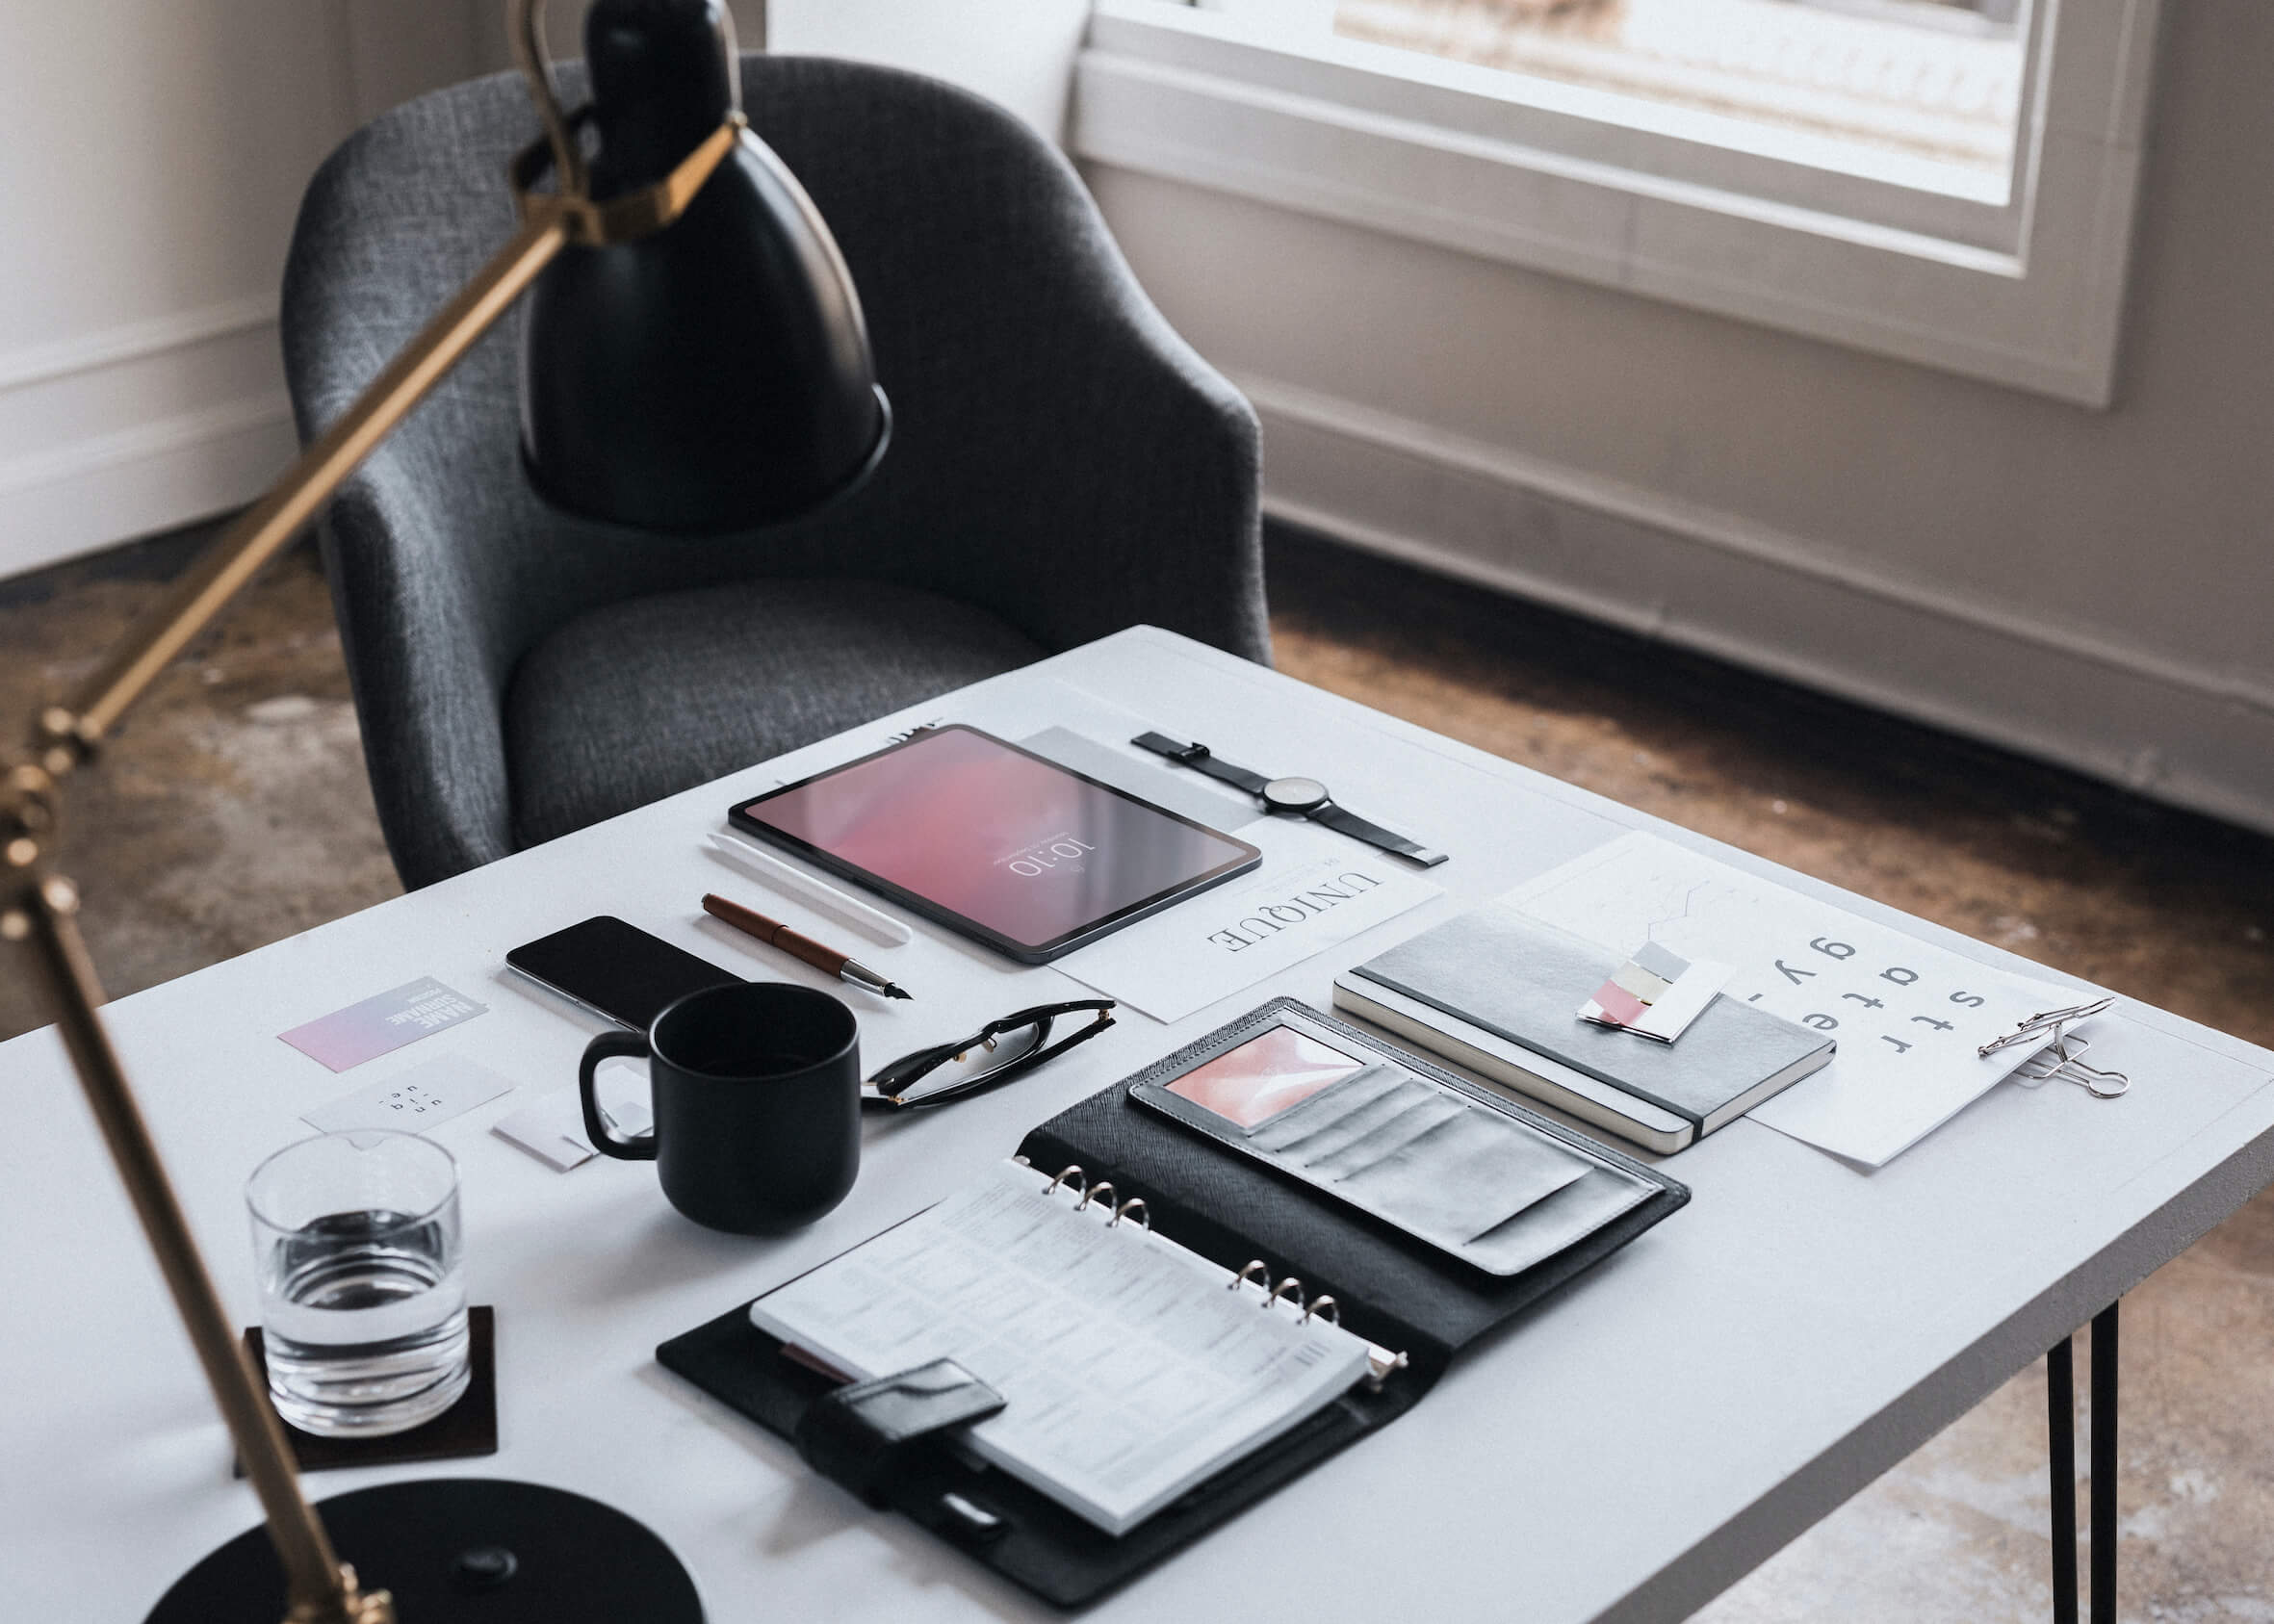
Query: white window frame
[{"x": 2022, "y": 285}]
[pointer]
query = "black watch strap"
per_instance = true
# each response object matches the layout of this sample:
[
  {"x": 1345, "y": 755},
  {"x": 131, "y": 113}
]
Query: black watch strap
[
  {"x": 1346, "y": 822},
  {"x": 1198, "y": 757},
  {"x": 1329, "y": 815}
]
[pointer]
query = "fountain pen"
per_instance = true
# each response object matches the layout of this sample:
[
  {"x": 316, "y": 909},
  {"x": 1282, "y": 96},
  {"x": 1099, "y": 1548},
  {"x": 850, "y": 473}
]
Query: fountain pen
[{"x": 775, "y": 933}]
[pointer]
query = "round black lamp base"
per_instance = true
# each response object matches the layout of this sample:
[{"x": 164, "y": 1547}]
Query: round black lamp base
[{"x": 450, "y": 1549}]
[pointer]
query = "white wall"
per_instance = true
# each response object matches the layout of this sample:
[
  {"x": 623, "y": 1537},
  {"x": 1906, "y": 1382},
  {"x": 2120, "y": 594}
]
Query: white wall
[
  {"x": 2093, "y": 587},
  {"x": 1016, "y": 52},
  {"x": 152, "y": 155}
]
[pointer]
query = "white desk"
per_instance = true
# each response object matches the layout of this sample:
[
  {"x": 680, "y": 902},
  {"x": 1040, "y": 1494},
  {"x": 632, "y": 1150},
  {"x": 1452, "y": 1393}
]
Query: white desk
[{"x": 1625, "y": 1452}]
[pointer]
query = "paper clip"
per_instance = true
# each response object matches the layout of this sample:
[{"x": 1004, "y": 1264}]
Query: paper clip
[{"x": 2100, "y": 1083}]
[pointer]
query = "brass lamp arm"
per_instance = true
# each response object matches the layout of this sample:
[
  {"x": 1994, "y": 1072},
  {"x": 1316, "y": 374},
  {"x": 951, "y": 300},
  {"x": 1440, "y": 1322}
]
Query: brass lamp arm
[
  {"x": 75, "y": 729},
  {"x": 37, "y": 907},
  {"x": 68, "y": 733}
]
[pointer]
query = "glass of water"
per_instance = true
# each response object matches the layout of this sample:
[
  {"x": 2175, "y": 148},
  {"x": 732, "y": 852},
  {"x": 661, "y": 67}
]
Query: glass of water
[{"x": 363, "y": 1299}]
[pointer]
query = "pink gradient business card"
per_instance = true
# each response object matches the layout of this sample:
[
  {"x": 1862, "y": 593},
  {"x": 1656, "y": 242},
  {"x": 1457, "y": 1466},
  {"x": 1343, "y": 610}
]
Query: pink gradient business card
[{"x": 382, "y": 1025}]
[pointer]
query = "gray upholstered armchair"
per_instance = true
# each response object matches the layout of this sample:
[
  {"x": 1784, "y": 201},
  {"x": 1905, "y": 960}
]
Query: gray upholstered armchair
[{"x": 1063, "y": 465}]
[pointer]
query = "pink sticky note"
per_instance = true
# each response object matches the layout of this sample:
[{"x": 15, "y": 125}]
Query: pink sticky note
[{"x": 1619, "y": 1004}]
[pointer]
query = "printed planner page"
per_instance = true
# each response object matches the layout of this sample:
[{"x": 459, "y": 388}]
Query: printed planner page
[
  {"x": 1908, "y": 1016},
  {"x": 1129, "y": 1371}
]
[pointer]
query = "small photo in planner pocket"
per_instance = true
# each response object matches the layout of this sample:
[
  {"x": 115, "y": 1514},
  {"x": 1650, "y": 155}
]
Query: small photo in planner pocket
[
  {"x": 1445, "y": 1168},
  {"x": 1265, "y": 1075}
]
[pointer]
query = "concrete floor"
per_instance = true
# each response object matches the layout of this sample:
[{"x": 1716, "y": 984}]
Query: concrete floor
[{"x": 233, "y": 810}]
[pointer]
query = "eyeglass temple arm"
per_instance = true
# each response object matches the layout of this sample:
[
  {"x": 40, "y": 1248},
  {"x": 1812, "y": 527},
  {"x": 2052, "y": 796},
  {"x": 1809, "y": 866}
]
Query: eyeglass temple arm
[
  {"x": 1044, "y": 1011},
  {"x": 922, "y": 1061}
]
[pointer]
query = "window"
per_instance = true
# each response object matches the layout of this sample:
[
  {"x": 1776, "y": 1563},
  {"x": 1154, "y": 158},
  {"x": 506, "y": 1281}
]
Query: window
[
  {"x": 1948, "y": 181},
  {"x": 1939, "y": 81}
]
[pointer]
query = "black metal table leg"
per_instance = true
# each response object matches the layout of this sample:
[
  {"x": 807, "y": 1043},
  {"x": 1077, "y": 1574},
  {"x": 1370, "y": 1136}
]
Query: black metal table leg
[
  {"x": 2104, "y": 1466},
  {"x": 2060, "y": 1425}
]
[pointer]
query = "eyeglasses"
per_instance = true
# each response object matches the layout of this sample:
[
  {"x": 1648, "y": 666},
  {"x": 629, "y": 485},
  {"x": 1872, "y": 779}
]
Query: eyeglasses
[{"x": 995, "y": 1053}]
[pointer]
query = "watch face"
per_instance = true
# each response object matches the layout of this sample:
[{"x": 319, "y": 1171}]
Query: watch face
[{"x": 1294, "y": 795}]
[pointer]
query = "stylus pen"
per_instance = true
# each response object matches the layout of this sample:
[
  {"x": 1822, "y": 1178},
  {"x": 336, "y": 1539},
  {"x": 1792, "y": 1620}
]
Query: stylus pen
[
  {"x": 775, "y": 933},
  {"x": 794, "y": 881}
]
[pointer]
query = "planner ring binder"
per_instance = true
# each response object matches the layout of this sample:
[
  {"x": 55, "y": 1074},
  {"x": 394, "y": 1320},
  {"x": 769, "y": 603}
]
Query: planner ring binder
[
  {"x": 1287, "y": 1289},
  {"x": 1382, "y": 1362},
  {"x": 1323, "y": 1267}
]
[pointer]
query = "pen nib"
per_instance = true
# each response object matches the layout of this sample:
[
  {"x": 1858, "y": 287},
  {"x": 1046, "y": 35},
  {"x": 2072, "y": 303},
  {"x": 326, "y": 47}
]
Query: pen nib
[{"x": 893, "y": 992}]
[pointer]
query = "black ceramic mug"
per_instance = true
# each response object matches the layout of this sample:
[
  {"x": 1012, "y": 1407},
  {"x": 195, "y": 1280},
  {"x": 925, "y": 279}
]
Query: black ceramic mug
[{"x": 757, "y": 1091}]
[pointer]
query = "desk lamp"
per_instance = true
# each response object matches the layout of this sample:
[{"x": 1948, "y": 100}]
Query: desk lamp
[{"x": 694, "y": 361}]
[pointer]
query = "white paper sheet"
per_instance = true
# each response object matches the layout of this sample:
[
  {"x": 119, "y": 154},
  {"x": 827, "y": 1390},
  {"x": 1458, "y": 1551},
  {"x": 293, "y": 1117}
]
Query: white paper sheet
[
  {"x": 1907, "y": 1016},
  {"x": 1314, "y": 890}
]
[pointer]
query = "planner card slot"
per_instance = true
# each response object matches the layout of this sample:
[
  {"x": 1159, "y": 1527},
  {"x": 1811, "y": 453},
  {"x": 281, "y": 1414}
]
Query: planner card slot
[
  {"x": 1430, "y": 1159},
  {"x": 1424, "y": 1112},
  {"x": 1463, "y": 1178},
  {"x": 1352, "y": 1108}
]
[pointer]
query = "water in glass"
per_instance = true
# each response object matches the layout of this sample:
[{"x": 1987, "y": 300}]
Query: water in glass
[{"x": 363, "y": 1299}]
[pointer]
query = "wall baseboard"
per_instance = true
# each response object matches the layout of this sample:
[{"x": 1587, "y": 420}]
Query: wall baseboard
[
  {"x": 132, "y": 341},
  {"x": 137, "y": 428},
  {"x": 1728, "y": 586},
  {"x": 148, "y": 478}
]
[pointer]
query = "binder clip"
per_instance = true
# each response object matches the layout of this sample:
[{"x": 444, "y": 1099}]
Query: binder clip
[{"x": 2062, "y": 1057}]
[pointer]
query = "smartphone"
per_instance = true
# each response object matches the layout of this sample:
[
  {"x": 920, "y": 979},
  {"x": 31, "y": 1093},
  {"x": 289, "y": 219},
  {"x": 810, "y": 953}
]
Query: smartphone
[{"x": 615, "y": 969}]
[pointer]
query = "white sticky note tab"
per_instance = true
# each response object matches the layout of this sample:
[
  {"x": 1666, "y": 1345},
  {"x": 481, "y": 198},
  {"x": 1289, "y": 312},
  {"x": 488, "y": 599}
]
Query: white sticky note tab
[
  {"x": 415, "y": 1101},
  {"x": 552, "y": 1129},
  {"x": 1685, "y": 1001},
  {"x": 554, "y": 1136}
]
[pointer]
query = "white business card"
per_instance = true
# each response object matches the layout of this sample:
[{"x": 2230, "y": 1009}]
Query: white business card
[{"x": 415, "y": 1101}]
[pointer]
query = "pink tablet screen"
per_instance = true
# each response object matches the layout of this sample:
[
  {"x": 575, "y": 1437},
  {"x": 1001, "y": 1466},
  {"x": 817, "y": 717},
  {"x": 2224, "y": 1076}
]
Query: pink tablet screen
[{"x": 1012, "y": 841}]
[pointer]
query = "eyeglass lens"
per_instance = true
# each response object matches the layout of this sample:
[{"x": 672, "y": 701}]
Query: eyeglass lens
[{"x": 988, "y": 1055}]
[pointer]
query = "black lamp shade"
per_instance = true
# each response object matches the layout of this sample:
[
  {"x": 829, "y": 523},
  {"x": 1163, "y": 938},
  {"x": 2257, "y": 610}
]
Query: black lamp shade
[{"x": 714, "y": 375}]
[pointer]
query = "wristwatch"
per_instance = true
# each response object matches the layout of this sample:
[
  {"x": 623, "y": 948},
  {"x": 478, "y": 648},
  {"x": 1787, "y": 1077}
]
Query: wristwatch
[{"x": 1290, "y": 797}]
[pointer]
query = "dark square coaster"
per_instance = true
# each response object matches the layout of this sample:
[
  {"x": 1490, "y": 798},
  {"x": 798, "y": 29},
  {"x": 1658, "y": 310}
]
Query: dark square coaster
[{"x": 469, "y": 1427}]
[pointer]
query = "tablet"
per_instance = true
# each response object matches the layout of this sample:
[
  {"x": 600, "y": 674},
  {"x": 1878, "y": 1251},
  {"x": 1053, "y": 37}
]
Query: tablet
[{"x": 1033, "y": 859}]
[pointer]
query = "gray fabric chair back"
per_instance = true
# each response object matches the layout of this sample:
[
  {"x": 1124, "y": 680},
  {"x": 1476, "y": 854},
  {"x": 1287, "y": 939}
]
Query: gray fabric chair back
[{"x": 1060, "y": 457}]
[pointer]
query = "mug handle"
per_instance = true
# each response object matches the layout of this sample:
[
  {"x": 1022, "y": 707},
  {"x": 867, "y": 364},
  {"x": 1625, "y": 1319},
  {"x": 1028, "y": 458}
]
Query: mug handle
[{"x": 606, "y": 1047}]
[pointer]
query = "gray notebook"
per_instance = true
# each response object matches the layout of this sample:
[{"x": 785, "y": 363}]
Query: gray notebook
[{"x": 1498, "y": 974}]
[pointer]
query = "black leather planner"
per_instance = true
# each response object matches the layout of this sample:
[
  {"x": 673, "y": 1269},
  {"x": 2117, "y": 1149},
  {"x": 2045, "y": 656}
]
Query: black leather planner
[{"x": 1405, "y": 1292}]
